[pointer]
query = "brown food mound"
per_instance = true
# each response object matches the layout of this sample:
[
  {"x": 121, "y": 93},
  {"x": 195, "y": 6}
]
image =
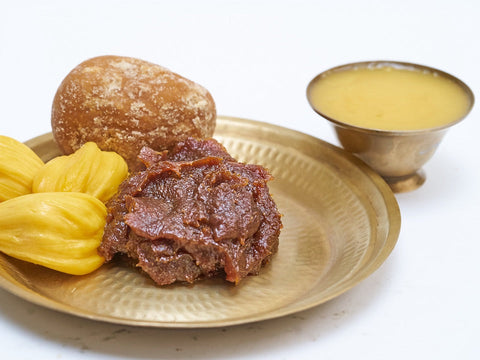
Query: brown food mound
[
  {"x": 194, "y": 212},
  {"x": 123, "y": 104}
]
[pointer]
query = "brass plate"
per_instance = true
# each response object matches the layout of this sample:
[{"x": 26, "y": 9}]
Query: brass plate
[{"x": 341, "y": 221}]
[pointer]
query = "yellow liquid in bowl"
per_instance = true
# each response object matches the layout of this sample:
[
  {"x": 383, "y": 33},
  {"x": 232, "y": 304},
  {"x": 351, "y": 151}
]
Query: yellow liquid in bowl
[{"x": 389, "y": 98}]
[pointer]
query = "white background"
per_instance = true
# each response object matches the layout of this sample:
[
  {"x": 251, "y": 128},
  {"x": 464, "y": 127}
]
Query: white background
[{"x": 256, "y": 58}]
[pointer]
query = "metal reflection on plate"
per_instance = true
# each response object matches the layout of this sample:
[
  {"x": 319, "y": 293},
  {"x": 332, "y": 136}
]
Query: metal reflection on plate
[{"x": 341, "y": 221}]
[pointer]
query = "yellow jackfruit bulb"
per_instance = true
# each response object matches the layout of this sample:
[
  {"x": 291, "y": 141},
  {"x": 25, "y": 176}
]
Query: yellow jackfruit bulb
[
  {"x": 61, "y": 230},
  {"x": 18, "y": 166},
  {"x": 88, "y": 170}
]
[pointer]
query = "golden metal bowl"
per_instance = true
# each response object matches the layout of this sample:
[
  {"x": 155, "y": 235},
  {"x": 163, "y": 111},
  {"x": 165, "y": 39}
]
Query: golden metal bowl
[{"x": 398, "y": 156}]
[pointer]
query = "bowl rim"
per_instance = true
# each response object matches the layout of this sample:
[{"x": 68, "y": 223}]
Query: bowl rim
[{"x": 395, "y": 64}]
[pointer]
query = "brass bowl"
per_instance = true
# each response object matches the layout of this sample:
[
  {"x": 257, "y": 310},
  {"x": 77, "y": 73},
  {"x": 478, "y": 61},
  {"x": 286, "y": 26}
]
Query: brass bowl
[{"x": 398, "y": 156}]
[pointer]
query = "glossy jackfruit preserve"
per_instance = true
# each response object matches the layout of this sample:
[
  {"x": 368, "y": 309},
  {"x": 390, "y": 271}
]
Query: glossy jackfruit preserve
[{"x": 389, "y": 97}]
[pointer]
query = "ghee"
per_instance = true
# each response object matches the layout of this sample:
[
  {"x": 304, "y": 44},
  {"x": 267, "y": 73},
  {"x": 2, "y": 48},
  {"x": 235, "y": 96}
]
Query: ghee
[{"x": 389, "y": 98}]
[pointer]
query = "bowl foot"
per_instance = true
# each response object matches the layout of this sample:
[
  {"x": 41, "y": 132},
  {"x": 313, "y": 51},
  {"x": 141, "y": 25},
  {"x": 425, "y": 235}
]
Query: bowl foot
[{"x": 400, "y": 184}]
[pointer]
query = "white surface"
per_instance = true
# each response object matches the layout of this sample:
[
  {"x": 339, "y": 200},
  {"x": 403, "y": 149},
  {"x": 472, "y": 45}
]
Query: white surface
[{"x": 256, "y": 58}]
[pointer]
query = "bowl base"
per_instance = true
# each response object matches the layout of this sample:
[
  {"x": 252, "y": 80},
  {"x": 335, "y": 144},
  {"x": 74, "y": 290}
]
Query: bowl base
[{"x": 400, "y": 184}]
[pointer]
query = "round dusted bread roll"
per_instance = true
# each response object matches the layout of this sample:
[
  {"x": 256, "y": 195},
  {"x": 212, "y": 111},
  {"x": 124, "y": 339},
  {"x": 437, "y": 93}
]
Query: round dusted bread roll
[{"x": 123, "y": 104}]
